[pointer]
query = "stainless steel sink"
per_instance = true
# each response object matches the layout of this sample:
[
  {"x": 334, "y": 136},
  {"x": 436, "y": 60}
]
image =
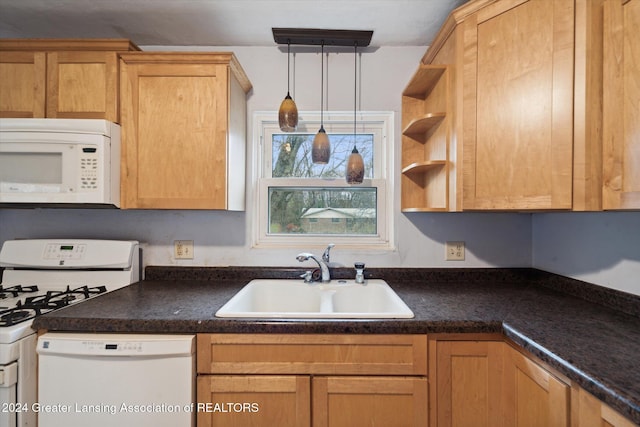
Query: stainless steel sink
[{"x": 286, "y": 298}]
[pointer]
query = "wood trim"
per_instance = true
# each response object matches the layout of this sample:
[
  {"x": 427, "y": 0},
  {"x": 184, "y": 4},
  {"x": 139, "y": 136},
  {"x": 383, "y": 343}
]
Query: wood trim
[
  {"x": 68, "y": 44},
  {"x": 455, "y": 18},
  {"x": 227, "y": 58}
]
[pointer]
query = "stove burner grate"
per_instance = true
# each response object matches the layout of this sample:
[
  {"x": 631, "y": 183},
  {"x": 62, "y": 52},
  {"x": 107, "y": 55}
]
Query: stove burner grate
[
  {"x": 15, "y": 291},
  {"x": 13, "y": 316},
  {"x": 36, "y": 305}
]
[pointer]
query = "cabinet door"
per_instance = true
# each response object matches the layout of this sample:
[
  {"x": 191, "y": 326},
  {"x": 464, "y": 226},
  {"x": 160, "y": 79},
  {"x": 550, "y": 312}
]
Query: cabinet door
[
  {"x": 621, "y": 113},
  {"x": 257, "y": 401},
  {"x": 174, "y": 135},
  {"x": 22, "y": 84},
  {"x": 465, "y": 383},
  {"x": 591, "y": 412},
  {"x": 82, "y": 85},
  {"x": 518, "y": 105},
  {"x": 533, "y": 397},
  {"x": 370, "y": 401}
]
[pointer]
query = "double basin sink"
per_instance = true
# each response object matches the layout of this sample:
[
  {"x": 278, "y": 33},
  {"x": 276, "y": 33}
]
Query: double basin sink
[{"x": 338, "y": 299}]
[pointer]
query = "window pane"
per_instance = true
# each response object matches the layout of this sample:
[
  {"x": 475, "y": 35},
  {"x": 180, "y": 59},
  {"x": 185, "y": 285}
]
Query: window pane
[
  {"x": 291, "y": 155},
  {"x": 346, "y": 211}
]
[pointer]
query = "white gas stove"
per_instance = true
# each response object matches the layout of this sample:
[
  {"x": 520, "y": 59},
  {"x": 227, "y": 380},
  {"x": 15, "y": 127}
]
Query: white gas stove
[{"x": 41, "y": 276}]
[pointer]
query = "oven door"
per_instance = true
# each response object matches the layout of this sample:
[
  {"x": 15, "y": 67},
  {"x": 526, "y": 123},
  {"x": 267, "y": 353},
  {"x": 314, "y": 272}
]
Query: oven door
[{"x": 8, "y": 384}]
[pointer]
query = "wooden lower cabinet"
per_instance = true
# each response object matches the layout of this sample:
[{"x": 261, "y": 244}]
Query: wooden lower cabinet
[
  {"x": 589, "y": 411},
  {"x": 465, "y": 383},
  {"x": 321, "y": 380},
  {"x": 482, "y": 380},
  {"x": 369, "y": 401},
  {"x": 533, "y": 397},
  {"x": 254, "y": 400},
  {"x": 478, "y": 383},
  {"x": 312, "y": 380}
]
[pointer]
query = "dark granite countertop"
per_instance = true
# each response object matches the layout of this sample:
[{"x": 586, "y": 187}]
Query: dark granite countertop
[{"x": 588, "y": 333}]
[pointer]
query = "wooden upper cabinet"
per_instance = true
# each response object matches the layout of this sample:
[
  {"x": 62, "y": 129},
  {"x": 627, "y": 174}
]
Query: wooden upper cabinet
[
  {"x": 82, "y": 85},
  {"x": 518, "y": 105},
  {"x": 56, "y": 78},
  {"x": 22, "y": 84},
  {"x": 183, "y": 120},
  {"x": 621, "y": 112}
]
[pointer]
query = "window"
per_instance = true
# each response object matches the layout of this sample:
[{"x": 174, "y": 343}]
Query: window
[{"x": 303, "y": 203}]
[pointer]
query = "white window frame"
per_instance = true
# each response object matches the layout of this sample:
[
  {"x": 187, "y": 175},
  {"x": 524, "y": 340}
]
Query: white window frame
[{"x": 265, "y": 123}]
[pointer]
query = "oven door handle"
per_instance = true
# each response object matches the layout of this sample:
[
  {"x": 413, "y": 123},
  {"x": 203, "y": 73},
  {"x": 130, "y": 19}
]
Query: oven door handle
[{"x": 9, "y": 375}]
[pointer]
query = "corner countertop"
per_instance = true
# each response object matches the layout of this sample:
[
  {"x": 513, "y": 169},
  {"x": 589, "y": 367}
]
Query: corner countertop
[{"x": 588, "y": 333}]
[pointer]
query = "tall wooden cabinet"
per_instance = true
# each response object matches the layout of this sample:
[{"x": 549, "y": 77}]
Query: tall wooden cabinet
[
  {"x": 621, "y": 113},
  {"x": 314, "y": 380},
  {"x": 60, "y": 78},
  {"x": 517, "y": 105},
  {"x": 524, "y": 118},
  {"x": 183, "y": 130}
]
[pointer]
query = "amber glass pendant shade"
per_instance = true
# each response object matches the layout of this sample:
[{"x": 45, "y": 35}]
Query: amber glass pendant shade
[
  {"x": 288, "y": 112},
  {"x": 355, "y": 168},
  {"x": 288, "y": 115},
  {"x": 321, "y": 148}
]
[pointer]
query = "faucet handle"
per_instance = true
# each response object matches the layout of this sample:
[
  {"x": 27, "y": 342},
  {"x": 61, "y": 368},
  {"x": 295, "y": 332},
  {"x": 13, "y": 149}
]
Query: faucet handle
[
  {"x": 325, "y": 255},
  {"x": 307, "y": 276}
]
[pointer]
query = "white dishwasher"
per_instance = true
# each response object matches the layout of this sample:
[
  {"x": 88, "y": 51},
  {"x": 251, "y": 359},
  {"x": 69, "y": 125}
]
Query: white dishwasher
[{"x": 124, "y": 380}]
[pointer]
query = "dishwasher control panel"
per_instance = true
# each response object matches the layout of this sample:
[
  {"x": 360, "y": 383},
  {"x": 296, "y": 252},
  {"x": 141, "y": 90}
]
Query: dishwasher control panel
[{"x": 89, "y": 344}]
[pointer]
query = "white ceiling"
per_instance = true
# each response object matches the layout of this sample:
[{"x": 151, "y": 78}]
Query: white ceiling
[{"x": 221, "y": 22}]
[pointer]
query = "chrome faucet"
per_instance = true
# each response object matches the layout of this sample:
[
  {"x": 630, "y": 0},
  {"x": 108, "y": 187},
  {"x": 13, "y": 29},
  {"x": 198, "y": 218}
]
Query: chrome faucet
[
  {"x": 325, "y": 255},
  {"x": 323, "y": 264}
]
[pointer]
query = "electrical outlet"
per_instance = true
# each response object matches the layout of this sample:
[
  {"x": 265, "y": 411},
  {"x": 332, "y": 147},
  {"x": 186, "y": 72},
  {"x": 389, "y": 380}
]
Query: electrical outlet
[
  {"x": 183, "y": 249},
  {"x": 454, "y": 251}
]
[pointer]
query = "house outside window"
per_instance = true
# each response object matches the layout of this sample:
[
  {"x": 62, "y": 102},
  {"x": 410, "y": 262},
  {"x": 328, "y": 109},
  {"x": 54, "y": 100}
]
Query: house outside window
[{"x": 301, "y": 203}]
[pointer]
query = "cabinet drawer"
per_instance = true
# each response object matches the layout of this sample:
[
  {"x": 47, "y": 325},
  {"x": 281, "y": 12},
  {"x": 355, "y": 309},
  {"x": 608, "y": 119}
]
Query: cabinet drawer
[{"x": 312, "y": 354}]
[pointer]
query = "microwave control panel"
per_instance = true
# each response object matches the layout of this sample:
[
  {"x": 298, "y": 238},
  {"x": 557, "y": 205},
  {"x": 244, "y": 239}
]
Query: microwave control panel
[{"x": 89, "y": 168}]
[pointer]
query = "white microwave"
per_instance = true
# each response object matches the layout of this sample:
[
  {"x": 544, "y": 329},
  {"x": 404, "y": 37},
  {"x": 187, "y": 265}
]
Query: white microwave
[{"x": 59, "y": 163}]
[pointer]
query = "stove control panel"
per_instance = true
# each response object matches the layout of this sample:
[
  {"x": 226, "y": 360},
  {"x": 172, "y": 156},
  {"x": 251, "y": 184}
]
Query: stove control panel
[
  {"x": 70, "y": 254},
  {"x": 61, "y": 251}
]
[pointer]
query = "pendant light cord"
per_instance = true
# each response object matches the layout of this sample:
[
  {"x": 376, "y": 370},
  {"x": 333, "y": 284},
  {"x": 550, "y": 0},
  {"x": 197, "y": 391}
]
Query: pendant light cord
[
  {"x": 322, "y": 85},
  {"x": 288, "y": 64},
  {"x": 355, "y": 90}
]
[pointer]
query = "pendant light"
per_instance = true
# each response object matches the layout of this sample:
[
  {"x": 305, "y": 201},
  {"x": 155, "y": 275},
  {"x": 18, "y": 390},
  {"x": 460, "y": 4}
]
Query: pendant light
[
  {"x": 355, "y": 164},
  {"x": 288, "y": 113},
  {"x": 321, "y": 148}
]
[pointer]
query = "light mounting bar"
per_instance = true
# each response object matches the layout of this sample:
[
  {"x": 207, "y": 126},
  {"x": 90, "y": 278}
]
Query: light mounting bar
[{"x": 314, "y": 36}]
